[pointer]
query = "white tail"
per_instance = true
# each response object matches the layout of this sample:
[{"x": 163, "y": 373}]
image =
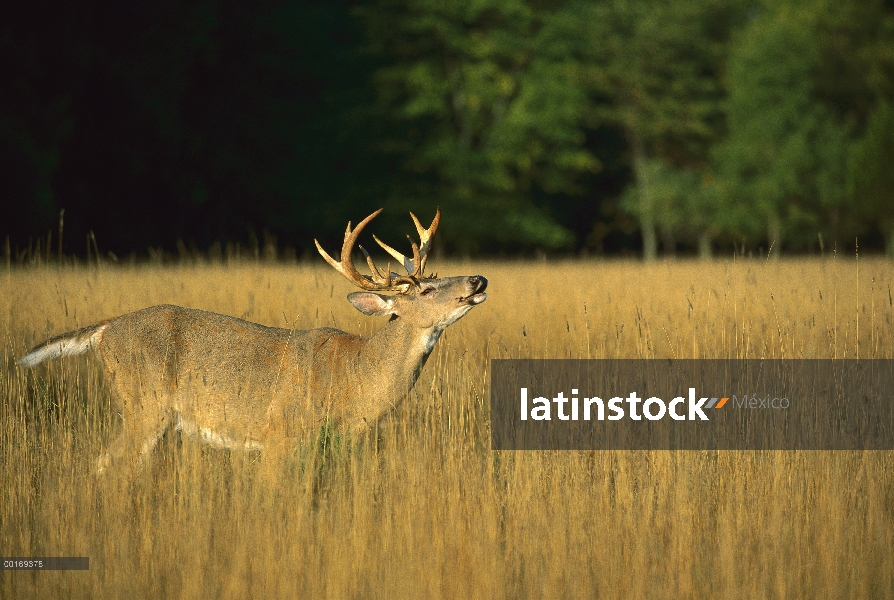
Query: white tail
[
  {"x": 237, "y": 384},
  {"x": 67, "y": 344}
]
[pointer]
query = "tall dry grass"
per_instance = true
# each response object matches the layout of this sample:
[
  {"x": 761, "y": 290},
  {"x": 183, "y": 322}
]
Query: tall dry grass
[{"x": 422, "y": 508}]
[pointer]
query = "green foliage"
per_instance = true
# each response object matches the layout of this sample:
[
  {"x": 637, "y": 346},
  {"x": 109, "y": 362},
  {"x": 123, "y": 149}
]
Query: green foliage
[
  {"x": 725, "y": 120},
  {"x": 491, "y": 96},
  {"x": 801, "y": 77},
  {"x": 682, "y": 202},
  {"x": 654, "y": 68},
  {"x": 870, "y": 176},
  {"x": 783, "y": 158}
]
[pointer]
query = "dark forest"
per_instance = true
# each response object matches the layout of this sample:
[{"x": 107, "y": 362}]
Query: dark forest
[{"x": 617, "y": 127}]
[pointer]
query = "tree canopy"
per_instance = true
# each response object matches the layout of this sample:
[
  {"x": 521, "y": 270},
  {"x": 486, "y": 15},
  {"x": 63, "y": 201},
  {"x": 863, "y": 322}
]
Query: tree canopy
[{"x": 560, "y": 126}]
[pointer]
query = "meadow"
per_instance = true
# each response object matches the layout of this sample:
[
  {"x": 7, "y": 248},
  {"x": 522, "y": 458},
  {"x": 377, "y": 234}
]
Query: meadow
[{"x": 421, "y": 507}]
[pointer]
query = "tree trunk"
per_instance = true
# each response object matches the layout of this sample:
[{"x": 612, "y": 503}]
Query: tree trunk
[
  {"x": 669, "y": 242},
  {"x": 704, "y": 245},
  {"x": 646, "y": 205}
]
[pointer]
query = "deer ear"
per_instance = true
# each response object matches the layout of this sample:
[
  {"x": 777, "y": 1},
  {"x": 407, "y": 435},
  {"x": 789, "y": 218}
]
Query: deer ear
[{"x": 371, "y": 304}]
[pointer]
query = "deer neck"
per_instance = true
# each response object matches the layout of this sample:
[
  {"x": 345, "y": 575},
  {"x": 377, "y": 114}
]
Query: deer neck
[{"x": 394, "y": 356}]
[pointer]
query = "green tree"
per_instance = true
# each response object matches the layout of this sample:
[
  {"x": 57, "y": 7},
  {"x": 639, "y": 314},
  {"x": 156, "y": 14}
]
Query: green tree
[
  {"x": 489, "y": 97},
  {"x": 684, "y": 203},
  {"x": 855, "y": 78},
  {"x": 870, "y": 176},
  {"x": 654, "y": 71},
  {"x": 784, "y": 155}
]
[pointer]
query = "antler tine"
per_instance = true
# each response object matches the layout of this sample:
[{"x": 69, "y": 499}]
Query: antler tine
[
  {"x": 425, "y": 237},
  {"x": 345, "y": 266},
  {"x": 410, "y": 264},
  {"x": 417, "y": 261},
  {"x": 412, "y": 278},
  {"x": 332, "y": 262},
  {"x": 376, "y": 273},
  {"x": 416, "y": 266},
  {"x": 404, "y": 261}
]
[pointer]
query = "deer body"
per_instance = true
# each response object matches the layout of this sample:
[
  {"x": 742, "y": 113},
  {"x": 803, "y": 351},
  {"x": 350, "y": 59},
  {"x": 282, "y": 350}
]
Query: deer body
[{"x": 237, "y": 384}]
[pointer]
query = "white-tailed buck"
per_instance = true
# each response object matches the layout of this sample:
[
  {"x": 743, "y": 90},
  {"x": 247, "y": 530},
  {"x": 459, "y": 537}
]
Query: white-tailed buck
[{"x": 237, "y": 384}]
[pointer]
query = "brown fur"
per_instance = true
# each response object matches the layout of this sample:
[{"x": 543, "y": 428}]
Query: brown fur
[{"x": 233, "y": 383}]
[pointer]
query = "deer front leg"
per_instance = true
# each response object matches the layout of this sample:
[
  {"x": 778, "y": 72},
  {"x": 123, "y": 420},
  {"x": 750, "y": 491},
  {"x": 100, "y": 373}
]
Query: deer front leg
[{"x": 132, "y": 446}]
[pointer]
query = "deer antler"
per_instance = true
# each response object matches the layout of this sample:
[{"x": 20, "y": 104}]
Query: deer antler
[
  {"x": 416, "y": 266},
  {"x": 379, "y": 281}
]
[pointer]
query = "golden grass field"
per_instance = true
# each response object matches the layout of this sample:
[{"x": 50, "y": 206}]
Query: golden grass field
[{"x": 422, "y": 508}]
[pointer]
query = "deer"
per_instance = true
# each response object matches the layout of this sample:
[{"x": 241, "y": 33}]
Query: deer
[{"x": 236, "y": 384}]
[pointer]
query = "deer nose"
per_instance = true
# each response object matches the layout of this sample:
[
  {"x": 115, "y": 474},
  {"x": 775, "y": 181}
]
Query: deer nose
[{"x": 479, "y": 282}]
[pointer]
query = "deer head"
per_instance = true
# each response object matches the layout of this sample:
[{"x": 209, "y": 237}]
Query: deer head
[{"x": 425, "y": 300}]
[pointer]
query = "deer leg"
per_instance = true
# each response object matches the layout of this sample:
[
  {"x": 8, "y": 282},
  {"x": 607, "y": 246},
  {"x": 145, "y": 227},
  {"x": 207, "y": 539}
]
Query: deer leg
[{"x": 133, "y": 442}]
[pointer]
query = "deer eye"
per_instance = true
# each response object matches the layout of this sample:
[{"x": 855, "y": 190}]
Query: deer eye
[{"x": 426, "y": 291}]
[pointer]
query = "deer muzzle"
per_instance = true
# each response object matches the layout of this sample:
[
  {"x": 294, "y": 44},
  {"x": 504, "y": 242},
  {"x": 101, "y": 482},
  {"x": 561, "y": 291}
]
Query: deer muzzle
[{"x": 478, "y": 284}]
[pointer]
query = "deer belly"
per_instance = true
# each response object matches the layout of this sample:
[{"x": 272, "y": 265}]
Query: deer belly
[{"x": 214, "y": 436}]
